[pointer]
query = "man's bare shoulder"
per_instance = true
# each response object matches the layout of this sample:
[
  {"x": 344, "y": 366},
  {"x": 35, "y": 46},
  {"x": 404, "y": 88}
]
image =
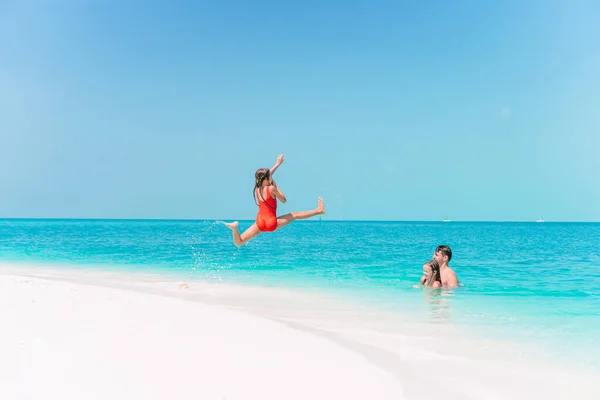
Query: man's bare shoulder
[{"x": 449, "y": 277}]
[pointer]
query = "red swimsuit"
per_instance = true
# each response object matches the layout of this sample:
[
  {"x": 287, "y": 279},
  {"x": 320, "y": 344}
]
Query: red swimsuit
[{"x": 266, "y": 220}]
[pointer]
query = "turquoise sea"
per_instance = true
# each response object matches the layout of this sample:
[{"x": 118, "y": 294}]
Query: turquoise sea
[{"x": 537, "y": 284}]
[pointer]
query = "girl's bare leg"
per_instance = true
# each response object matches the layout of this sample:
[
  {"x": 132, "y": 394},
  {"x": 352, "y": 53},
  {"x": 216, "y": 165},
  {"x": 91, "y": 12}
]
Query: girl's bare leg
[
  {"x": 248, "y": 234},
  {"x": 287, "y": 218}
]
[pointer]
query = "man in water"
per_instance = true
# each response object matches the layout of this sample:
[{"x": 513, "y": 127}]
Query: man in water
[{"x": 443, "y": 255}]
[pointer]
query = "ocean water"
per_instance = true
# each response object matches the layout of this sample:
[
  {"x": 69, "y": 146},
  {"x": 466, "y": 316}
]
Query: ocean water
[{"x": 537, "y": 284}]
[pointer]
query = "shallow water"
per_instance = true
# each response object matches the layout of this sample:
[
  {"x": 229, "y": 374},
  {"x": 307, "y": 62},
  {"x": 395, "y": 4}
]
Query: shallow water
[{"x": 536, "y": 284}]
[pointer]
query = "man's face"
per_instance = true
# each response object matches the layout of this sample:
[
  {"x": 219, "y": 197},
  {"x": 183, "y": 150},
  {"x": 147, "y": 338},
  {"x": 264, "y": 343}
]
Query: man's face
[{"x": 439, "y": 257}]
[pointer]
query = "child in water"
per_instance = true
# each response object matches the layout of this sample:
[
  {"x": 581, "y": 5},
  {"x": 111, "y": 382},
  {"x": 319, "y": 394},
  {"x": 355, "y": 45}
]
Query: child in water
[
  {"x": 267, "y": 220},
  {"x": 431, "y": 274}
]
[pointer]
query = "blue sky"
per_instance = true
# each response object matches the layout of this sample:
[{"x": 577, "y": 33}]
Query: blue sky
[{"x": 398, "y": 110}]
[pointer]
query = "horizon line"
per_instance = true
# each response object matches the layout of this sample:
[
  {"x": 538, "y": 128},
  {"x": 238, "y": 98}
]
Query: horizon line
[{"x": 308, "y": 220}]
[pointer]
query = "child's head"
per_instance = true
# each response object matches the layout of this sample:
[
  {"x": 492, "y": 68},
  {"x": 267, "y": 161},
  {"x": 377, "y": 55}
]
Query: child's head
[
  {"x": 262, "y": 175},
  {"x": 431, "y": 271}
]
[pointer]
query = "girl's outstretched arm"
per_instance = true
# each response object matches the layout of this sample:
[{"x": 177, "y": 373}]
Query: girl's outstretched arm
[{"x": 277, "y": 164}]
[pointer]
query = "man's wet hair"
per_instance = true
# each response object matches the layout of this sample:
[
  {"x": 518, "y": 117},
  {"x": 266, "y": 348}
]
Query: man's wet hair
[{"x": 445, "y": 250}]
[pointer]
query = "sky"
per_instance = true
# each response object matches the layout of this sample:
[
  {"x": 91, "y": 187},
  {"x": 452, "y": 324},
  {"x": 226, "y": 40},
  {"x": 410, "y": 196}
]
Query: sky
[{"x": 388, "y": 110}]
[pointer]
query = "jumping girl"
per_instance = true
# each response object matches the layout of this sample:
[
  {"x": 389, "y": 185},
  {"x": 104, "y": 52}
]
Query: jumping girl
[{"x": 267, "y": 193}]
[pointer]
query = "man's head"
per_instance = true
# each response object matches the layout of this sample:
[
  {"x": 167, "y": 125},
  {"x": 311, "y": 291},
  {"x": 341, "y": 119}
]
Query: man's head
[{"x": 442, "y": 254}]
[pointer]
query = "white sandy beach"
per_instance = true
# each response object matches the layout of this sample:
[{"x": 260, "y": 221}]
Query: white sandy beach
[
  {"x": 63, "y": 340},
  {"x": 69, "y": 334}
]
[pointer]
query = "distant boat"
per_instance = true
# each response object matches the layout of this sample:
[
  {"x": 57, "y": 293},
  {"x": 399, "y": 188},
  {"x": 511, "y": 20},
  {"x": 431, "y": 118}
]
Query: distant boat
[
  {"x": 540, "y": 220},
  {"x": 445, "y": 220}
]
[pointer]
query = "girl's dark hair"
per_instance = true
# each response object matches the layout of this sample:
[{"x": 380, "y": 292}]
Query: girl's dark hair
[
  {"x": 260, "y": 175},
  {"x": 435, "y": 270}
]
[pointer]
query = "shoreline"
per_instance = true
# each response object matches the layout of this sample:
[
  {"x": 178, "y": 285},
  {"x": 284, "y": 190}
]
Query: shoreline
[
  {"x": 72, "y": 340},
  {"x": 392, "y": 343},
  {"x": 424, "y": 312}
]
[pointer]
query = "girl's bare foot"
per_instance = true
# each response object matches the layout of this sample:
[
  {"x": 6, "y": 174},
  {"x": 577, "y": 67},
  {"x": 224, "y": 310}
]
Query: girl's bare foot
[
  {"x": 232, "y": 225},
  {"x": 321, "y": 207}
]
